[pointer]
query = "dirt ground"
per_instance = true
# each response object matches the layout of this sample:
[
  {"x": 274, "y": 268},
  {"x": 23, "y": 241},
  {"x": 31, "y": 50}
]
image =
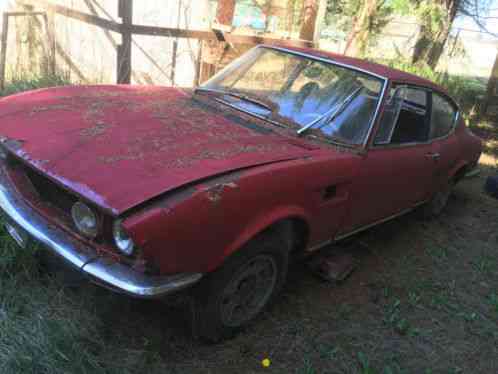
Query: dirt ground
[{"x": 423, "y": 299}]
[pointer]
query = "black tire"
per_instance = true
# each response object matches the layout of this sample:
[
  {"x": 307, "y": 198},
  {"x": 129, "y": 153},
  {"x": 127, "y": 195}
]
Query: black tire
[
  {"x": 436, "y": 205},
  {"x": 211, "y": 321}
]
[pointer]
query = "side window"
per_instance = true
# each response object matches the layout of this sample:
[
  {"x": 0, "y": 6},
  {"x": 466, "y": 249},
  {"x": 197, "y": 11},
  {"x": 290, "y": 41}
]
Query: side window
[
  {"x": 443, "y": 116},
  {"x": 405, "y": 117}
]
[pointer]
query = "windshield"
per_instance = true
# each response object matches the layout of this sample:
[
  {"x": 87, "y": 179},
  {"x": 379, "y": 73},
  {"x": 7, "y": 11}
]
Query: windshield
[{"x": 318, "y": 97}]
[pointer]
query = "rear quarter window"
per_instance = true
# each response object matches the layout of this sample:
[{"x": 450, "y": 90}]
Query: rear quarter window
[{"x": 443, "y": 116}]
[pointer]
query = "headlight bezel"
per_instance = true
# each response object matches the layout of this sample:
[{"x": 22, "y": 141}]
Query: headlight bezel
[
  {"x": 78, "y": 209},
  {"x": 122, "y": 240}
]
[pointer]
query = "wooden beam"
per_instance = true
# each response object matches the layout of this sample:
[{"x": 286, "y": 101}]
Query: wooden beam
[
  {"x": 209, "y": 35},
  {"x": 125, "y": 11},
  {"x": 18, "y": 14},
  {"x": 74, "y": 14},
  {"x": 50, "y": 24},
  {"x": 3, "y": 52},
  {"x": 162, "y": 31}
]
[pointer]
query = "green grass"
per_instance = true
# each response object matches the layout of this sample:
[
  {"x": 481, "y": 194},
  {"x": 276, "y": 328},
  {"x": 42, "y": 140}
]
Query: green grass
[
  {"x": 16, "y": 85},
  {"x": 424, "y": 299}
]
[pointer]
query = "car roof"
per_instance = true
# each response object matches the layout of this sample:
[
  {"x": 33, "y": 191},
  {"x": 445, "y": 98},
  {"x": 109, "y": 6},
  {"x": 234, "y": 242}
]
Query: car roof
[{"x": 394, "y": 75}]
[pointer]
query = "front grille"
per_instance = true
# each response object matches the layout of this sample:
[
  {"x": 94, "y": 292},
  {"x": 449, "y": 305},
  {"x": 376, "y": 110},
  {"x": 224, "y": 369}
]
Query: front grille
[
  {"x": 50, "y": 192},
  {"x": 58, "y": 198}
]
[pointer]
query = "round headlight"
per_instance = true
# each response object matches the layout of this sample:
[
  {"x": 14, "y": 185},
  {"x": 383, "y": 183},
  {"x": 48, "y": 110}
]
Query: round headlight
[
  {"x": 122, "y": 240},
  {"x": 85, "y": 219}
]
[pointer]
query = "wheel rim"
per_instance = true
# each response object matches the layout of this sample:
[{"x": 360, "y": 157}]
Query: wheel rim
[{"x": 248, "y": 291}]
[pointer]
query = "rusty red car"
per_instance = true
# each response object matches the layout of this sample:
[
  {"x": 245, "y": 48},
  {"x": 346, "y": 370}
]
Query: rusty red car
[{"x": 152, "y": 191}]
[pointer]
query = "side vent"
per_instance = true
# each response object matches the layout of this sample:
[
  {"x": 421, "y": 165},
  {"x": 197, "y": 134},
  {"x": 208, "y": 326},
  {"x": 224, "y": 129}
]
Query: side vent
[{"x": 329, "y": 192}]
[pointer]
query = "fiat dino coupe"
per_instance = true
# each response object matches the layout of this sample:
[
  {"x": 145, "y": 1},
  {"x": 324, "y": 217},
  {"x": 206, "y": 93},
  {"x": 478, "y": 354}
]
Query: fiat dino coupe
[{"x": 152, "y": 190}]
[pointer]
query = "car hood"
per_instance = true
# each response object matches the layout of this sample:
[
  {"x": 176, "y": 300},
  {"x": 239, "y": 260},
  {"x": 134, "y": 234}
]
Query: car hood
[{"x": 119, "y": 146}]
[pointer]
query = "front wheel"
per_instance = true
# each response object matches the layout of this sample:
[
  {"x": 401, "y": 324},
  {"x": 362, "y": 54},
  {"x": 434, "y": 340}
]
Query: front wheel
[{"x": 234, "y": 295}]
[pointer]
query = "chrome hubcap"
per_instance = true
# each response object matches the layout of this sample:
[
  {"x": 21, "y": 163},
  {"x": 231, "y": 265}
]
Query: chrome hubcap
[{"x": 248, "y": 291}]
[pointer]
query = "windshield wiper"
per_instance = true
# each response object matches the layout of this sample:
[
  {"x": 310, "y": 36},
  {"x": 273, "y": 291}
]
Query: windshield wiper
[
  {"x": 333, "y": 113},
  {"x": 239, "y": 96}
]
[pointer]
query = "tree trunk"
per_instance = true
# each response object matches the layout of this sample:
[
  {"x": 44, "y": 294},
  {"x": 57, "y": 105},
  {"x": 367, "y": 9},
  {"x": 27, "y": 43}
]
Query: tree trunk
[
  {"x": 430, "y": 46},
  {"x": 357, "y": 41},
  {"x": 492, "y": 91},
  {"x": 291, "y": 11},
  {"x": 310, "y": 13},
  {"x": 225, "y": 12}
]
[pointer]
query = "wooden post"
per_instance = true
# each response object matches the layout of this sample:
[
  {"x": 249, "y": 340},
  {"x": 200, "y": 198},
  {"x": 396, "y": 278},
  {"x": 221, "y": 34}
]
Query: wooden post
[
  {"x": 125, "y": 11},
  {"x": 3, "y": 52},
  {"x": 310, "y": 10},
  {"x": 175, "y": 45},
  {"x": 50, "y": 25},
  {"x": 225, "y": 12},
  {"x": 224, "y": 16}
]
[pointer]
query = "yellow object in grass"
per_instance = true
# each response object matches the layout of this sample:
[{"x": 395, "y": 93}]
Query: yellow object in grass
[{"x": 266, "y": 362}]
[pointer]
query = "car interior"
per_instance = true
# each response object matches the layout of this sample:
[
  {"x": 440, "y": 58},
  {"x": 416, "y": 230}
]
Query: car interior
[{"x": 405, "y": 118}]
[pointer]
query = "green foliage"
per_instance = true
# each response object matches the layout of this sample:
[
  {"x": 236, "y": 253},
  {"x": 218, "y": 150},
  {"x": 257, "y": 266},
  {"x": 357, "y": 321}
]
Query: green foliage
[
  {"x": 432, "y": 15},
  {"x": 341, "y": 13},
  {"x": 31, "y": 83},
  {"x": 465, "y": 90}
]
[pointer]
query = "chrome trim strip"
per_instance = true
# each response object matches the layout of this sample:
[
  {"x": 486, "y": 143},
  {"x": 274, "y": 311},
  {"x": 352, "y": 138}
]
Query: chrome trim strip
[
  {"x": 35, "y": 227},
  {"x": 319, "y": 246},
  {"x": 383, "y": 220},
  {"x": 106, "y": 272},
  {"x": 323, "y": 59},
  {"x": 376, "y": 114}
]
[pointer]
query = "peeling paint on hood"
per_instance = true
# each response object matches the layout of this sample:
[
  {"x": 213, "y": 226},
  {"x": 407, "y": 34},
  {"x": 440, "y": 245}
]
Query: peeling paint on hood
[{"x": 120, "y": 146}]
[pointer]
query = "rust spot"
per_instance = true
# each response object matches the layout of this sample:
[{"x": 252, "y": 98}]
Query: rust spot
[
  {"x": 214, "y": 193},
  {"x": 48, "y": 108},
  {"x": 98, "y": 129}
]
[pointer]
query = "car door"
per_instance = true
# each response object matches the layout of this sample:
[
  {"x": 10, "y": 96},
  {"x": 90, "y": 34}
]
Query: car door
[
  {"x": 397, "y": 171},
  {"x": 445, "y": 147}
]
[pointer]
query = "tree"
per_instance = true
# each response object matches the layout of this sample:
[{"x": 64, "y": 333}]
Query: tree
[
  {"x": 361, "y": 20},
  {"x": 437, "y": 18},
  {"x": 358, "y": 36}
]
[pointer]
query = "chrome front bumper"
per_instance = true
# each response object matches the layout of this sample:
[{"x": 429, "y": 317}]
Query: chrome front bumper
[{"x": 100, "y": 270}]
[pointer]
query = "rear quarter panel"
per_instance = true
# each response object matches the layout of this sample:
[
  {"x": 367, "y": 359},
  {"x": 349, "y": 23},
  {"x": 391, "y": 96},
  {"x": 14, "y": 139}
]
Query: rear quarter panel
[{"x": 470, "y": 146}]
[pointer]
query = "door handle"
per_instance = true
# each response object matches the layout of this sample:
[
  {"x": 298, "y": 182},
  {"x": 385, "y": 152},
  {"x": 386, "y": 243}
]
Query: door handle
[{"x": 434, "y": 155}]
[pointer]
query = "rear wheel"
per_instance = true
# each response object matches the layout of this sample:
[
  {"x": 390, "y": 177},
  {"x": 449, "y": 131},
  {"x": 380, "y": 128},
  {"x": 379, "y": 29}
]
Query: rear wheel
[{"x": 234, "y": 295}]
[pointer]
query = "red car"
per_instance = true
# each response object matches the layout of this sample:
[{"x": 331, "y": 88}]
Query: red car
[{"x": 152, "y": 190}]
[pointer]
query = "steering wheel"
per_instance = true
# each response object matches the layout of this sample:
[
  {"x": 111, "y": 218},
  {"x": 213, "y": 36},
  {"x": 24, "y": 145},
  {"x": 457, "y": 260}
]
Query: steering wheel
[{"x": 307, "y": 89}]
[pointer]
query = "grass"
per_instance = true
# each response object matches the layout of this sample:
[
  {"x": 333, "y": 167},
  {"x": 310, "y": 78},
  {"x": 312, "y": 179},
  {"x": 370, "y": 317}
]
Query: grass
[
  {"x": 21, "y": 84},
  {"x": 424, "y": 299}
]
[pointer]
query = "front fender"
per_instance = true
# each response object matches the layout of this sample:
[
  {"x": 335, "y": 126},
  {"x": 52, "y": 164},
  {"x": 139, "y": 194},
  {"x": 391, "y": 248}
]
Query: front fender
[
  {"x": 264, "y": 221},
  {"x": 196, "y": 228}
]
